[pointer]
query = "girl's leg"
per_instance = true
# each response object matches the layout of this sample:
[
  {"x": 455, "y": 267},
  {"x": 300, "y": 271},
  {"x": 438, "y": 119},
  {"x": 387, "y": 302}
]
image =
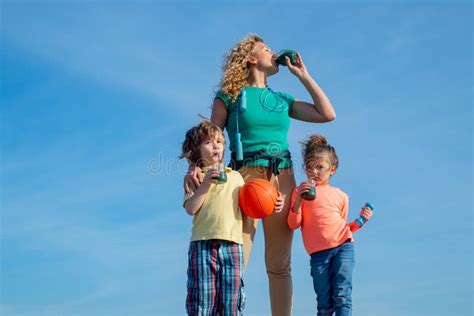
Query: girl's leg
[
  {"x": 202, "y": 278},
  {"x": 278, "y": 239},
  {"x": 321, "y": 274},
  {"x": 341, "y": 270},
  {"x": 231, "y": 258}
]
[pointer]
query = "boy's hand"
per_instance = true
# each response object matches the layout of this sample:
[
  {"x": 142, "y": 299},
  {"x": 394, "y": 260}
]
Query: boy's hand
[
  {"x": 207, "y": 181},
  {"x": 279, "y": 203},
  {"x": 366, "y": 213}
]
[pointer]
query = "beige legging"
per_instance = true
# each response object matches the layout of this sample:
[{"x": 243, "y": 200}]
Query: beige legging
[{"x": 278, "y": 238}]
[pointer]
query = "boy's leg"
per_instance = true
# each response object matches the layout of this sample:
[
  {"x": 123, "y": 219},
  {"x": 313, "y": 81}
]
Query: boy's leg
[
  {"x": 321, "y": 273},
  {"x": 202, "y": 268},
  {"x": 342, "y": 269},
  {"x": 231, "y": 259},
  {"x": 278, "y": 239}
]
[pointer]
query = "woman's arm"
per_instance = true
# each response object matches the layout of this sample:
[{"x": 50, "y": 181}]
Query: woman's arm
[
  {"x": 219, "y": 113},
  {"x": 321, "y": 110}
]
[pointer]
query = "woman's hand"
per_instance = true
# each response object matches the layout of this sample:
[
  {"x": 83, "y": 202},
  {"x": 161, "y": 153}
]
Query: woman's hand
[
  {"x": 321, "y": 110},
  {"x": 299, "y": 70},
  {"x": 193, "y": 179},
  {"x": 279, "y": 203}
]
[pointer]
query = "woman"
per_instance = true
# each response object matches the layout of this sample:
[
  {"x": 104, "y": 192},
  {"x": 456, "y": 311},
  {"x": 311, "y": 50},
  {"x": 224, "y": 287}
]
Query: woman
[{"x": 259, "y": 117}]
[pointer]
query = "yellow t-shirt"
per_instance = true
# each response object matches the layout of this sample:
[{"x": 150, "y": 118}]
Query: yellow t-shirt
[{"x": 219, "y": 216}]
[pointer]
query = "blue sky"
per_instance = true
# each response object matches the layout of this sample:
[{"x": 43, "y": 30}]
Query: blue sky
[{"x": 96, "y": 97}]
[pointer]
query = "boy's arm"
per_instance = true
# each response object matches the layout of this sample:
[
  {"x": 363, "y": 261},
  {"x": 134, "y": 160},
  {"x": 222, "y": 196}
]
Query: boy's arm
[
  {"x": 194, "y": 203},
  {"x": 294, "y": 215}
]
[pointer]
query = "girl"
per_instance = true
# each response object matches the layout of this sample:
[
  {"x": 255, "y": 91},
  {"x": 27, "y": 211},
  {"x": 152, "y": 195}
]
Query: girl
[{"x": 327, "y": 236}]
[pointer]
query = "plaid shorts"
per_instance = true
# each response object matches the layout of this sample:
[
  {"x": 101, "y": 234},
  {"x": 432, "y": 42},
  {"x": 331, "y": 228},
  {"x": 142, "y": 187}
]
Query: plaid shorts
[{"x": 215, "y": 270}]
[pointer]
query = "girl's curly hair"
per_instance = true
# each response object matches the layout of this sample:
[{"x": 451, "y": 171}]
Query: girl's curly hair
[
  {"x": 235, "y": 69},
  {"x": 316, "y": 148},
  {"x": 195, "y": 136}
]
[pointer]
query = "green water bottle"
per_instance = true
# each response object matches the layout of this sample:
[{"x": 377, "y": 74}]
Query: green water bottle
[
  {"x": 293, "y": 55},
  {"x": 311, "y": 194},
  {"x": 222, "y": 177}
]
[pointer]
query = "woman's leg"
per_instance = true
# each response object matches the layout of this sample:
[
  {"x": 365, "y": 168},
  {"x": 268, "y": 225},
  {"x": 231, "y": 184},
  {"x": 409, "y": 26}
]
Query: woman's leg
[
  {"x": 278, "y": 239},
  {"x": 250, "y": 224}
]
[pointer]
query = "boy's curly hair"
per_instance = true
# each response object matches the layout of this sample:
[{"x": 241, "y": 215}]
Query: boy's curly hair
[
  {"x": 195, "y": 136},
  {"x": 235, "y": 70},
  {"x": 317, "y": 148}
]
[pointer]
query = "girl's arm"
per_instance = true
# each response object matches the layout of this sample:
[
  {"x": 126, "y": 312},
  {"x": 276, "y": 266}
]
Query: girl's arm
[
  {"x": 294, "y": 215},
  {"x": 366, "y": 214},
  {"x": 353, "y": 226},
  {"x": 321, "y": 110},
  {"x": 344, "y": 213}
]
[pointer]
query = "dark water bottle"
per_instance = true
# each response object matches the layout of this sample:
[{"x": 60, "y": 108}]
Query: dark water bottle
[
  {"x": 360, "y": 221},
  {"x": 311, "y": 194},
  {"x": 293, "y": 55}
]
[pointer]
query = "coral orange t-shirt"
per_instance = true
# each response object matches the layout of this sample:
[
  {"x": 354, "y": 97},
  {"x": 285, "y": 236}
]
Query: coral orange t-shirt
[{"x": 323, "y": 220}]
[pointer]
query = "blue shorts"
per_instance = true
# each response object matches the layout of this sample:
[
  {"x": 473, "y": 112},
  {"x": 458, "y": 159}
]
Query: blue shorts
[{"x": 215, "y": 270}]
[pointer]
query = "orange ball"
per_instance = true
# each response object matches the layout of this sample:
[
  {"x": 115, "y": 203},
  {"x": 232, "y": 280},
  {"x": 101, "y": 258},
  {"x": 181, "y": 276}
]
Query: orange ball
[{"x": 257, "y": 198}]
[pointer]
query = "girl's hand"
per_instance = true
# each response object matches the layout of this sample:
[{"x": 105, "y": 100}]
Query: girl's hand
[
  {"x": 302, "y": 188},
  {"x": 299, "y": 70},
  {"x": 193, "y": 179},
  {"x": 279, "y": 203},
  {"x": 366, "y": 213}
]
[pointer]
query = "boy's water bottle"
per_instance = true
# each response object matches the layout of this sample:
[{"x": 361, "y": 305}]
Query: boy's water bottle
[
  {"x": 360, "y": 221},
  {"x": 291, "y": 54},
  {"x": 222, "y": 177},
  {"x": 311, "y": 194}
]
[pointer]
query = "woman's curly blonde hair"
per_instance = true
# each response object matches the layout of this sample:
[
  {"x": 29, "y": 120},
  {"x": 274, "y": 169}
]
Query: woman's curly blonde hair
[{"x": 235, "y": 70}]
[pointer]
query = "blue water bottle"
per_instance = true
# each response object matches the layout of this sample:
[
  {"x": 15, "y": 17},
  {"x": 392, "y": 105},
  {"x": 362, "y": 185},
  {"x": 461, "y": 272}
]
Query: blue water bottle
[
  {"x": 238, "y": 139},
  {"x": 360, "y": 221},
  {"x": 238, "y": 150}
]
